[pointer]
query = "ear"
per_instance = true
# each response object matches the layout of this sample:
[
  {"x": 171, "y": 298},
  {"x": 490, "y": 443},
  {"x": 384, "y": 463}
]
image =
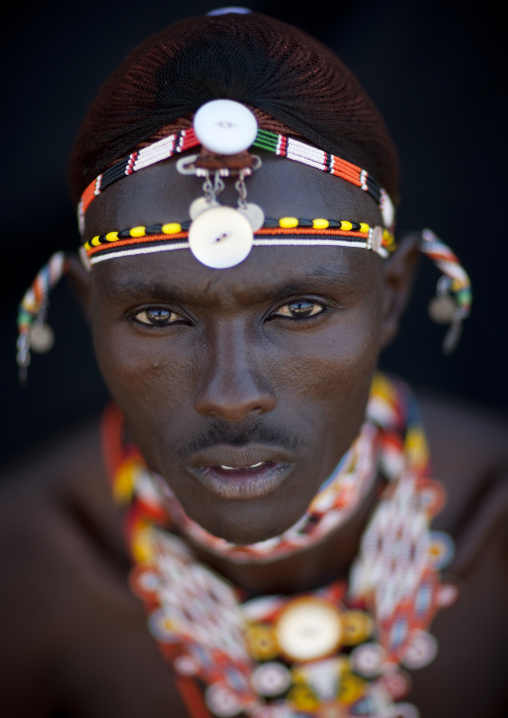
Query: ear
[
  {"x": 79, "y": 277},
  {"x": 399, "y": 272}
]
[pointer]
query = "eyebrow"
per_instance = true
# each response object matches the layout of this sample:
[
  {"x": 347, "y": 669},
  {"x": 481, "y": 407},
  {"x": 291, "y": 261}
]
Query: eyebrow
[{"x": 129, "y": 288}]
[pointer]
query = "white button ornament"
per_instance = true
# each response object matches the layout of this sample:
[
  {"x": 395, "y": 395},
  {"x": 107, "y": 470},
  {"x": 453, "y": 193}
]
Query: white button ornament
[
  {"x": 225, "y": 127},
  {"x": 421, "y": 650},
  {"x": 220, "y": 237},
  {"x": 308, "y": 628}
]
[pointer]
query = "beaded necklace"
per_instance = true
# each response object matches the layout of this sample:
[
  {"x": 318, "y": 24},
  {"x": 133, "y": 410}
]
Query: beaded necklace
[{"x": 336, "y": 652}]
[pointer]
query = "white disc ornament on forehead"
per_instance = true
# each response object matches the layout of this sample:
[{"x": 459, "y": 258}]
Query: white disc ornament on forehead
[
  {"x": 220, "y": 237},
  {"x": 225, "y": 127}
]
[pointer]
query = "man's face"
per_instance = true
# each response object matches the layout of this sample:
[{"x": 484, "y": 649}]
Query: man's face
[{"x": 242, "y": 387}]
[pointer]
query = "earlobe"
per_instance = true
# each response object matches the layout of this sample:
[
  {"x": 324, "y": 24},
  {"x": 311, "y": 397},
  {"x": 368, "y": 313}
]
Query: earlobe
[
  {"x": 79, "y": 277},
  {"x": 399, "y": 273}
]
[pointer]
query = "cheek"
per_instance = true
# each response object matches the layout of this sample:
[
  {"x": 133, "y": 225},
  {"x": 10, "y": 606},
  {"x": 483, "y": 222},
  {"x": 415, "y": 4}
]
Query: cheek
[
  {"x": 338, "y": 359},
  {"x": 139, "y": 369}
]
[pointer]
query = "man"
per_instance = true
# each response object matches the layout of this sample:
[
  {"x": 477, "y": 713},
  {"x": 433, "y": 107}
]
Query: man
[{"x": 244, "y": 383}]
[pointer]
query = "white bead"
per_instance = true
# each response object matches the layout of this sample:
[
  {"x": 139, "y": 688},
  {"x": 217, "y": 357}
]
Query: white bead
[
  {"x": 271, "y": 679},
  {"x": 387, "y": 209},
  {"x": 220, "y": 237},
  {"x": 225, "y": 127}
]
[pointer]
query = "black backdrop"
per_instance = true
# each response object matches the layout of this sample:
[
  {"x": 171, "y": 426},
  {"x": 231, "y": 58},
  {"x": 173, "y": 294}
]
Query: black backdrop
[{"x": 436, "y": 72}]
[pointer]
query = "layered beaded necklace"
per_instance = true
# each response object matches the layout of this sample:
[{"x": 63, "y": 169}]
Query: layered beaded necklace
[{"x": 336, "y": 652}]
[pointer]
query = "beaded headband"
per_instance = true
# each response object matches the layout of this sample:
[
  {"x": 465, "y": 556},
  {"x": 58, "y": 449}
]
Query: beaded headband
[
  {"x": 222, "y": 237},
  {"x": 287, "y": 231},
  {"x": 280, "y": 145}
]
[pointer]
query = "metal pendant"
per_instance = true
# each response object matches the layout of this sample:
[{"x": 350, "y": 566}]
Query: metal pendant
[
  {"x": 42, "y": 338},
  {"x": 254, "y": 215},
  {"x": 201, "y": 204},
  {"x": 442, "y": 309}
]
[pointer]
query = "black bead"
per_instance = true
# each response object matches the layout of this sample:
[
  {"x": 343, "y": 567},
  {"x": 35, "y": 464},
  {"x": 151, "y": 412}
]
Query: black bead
[{"x": 154, "y": 229}]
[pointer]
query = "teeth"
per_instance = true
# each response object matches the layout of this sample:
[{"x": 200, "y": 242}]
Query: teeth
[{"x": 232, "y": 468}]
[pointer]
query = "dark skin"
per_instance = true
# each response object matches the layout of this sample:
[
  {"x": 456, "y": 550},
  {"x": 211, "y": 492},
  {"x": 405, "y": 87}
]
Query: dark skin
[{"x": 85, "y": 650}]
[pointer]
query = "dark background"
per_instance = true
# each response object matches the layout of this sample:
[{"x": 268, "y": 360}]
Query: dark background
[{"x": 436, "y": 72}]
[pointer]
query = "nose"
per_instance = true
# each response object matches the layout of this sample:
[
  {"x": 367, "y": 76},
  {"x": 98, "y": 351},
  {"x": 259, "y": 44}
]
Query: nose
[{"x": 233, "y": 386}]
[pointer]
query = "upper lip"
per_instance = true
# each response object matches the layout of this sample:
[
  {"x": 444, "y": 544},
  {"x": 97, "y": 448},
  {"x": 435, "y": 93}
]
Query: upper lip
[{"x": 238, "y": 457}]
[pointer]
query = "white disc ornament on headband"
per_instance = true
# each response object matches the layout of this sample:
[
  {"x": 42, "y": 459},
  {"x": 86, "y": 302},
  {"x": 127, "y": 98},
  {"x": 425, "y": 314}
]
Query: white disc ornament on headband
[
  {"x": 220, "y": 237},
  {"x": 225, "y": 127}
]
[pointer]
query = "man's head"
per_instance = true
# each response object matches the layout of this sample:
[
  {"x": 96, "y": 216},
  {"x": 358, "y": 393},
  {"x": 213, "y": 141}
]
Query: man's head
[{"x": 268, "y": 362}]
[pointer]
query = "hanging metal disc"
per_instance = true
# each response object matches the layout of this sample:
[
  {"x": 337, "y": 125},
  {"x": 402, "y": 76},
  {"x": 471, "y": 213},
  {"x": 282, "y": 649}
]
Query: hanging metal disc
[
  {"x": 42, "y": 338},
  {"x": 254, "y": 214}
]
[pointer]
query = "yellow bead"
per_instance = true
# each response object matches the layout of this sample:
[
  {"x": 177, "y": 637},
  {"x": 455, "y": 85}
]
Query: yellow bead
[
  {"x": 124, "y": 482},
  {"x": 87, "y": 246},
  {"x": 347, "y": 226},
  {"x": 351, "y": 688},
  {"x": 303, "y": 698},
  {"x": 387, "y": 238},
  {"x": 357, "y": 627},
  {"x": 261, "y": 642},
  {"x": 171, "y": 228},
  {"x": 320, "y": 223},
  {"x": 112, "y": 236},
  {"x": 364, "y": 227},
  {"x": 95, "y": 242},
  {"x": 288, "y": 222},
  {"x": 141, "y": 546},
  {"x": 138, "y": 231}
]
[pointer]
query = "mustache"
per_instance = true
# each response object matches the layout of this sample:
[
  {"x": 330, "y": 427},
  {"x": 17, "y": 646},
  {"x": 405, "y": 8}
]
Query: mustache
[{"x": 225, "y": 433}]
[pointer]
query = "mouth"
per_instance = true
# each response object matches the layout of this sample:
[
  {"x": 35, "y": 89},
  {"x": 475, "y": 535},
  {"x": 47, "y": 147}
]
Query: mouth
[{"x": 240, "y": 475}]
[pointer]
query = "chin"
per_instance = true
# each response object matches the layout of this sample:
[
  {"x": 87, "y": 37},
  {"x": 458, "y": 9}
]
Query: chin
[{"x": 252, "y": 524}]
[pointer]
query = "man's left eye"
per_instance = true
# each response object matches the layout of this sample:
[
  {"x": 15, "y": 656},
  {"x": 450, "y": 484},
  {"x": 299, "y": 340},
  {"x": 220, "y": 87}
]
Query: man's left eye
[
  {"x": 157, "y": 316},
  {"x": 299, "y": 309}
]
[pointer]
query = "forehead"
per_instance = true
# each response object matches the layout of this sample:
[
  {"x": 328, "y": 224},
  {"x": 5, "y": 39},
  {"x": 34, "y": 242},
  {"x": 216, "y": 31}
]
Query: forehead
[{"x": 267, "y": 274}]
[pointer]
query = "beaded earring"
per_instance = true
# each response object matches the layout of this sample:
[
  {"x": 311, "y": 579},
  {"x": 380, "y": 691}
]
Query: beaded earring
[
  {"x": 35, "y": 334},
  {"x": 452, "y": 303}
]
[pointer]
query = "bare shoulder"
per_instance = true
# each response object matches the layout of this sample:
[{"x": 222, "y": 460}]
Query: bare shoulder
[
  {"x": 60, "y": 490},
  {"x": 59, "y": 539},
  {"x": 469, "y": 450},
  {"x": 57, "y": 525},
  {"x": 66, "y": 613}
]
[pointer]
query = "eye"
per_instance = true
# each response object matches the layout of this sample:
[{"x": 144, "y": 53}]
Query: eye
[
  {"x": 157, "y": 317},
  {"x": 300, "y": 309}
]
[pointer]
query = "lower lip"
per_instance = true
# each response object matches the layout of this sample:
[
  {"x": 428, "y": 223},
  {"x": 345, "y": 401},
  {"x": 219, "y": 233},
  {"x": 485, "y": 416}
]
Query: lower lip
[{"x": 243, "y": 484}]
